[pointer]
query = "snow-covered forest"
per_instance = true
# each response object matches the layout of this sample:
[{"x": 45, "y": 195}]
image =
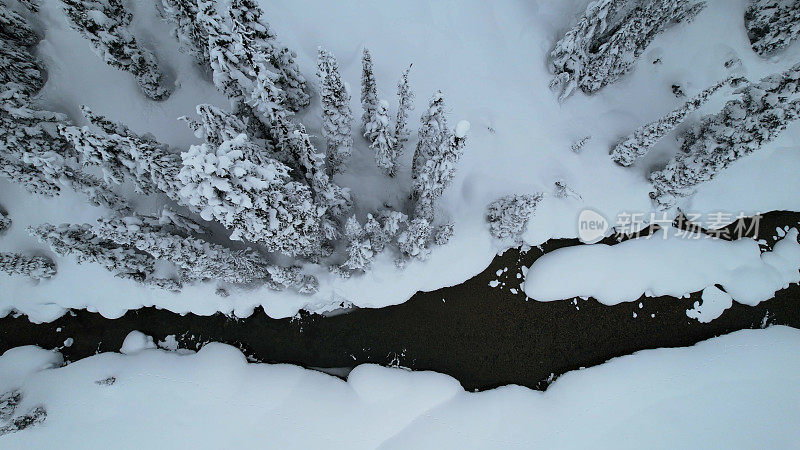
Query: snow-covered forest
[{"x": 308, "y": 157}]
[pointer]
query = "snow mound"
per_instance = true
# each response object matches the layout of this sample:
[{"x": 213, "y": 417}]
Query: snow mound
[
  {"x": 135, "y": 342},
  {"x": 715, "y": 302},
  {"x": 671, "y": 262}
]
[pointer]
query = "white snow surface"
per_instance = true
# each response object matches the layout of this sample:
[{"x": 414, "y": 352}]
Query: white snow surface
[
  {"x": 714, "y": 303},
  {"x": 734, "y": 391},
  {"x": 489, "y": 59},
  {"x": 670, "y": 262}
]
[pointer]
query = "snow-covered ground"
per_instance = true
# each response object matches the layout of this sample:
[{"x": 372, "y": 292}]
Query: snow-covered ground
[
  {"x": 489, "y": 59},
  {"x": 735, "y": 391}
]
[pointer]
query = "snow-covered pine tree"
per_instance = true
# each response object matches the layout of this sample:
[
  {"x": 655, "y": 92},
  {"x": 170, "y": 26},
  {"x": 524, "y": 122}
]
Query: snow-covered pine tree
[
  {"x": 443, "y": 233},
  {"x": 5, "y": 220},
  {"x": 257, "y": 202},
  {"x": 297, "y": 151},
  {"x": 369, "y": 95},
  {"x": 20, "y": 68},
  {"x": 155, "y": 163},
  {"x": 192, "y": 36},
  {"x": 15, "y": 28},
  {"x": 382, "y": 140},
  {"x": 197, "y": 259},
  {"x": 291, "y": 80},
  {"x": 405, "y": 98},
  {"x": 231, "y": 70},
  {"x": 772, "y": 24},
  {"x": 608, "y": 39},
  {"x": 359, "y": 247},
  {"x": 378, "y": 238},
  {"x": 614, "y": 56},
  {"x": 741, "y": 128},
  {"x": 336, "y": 115},
  {"x": 508, "y": 216},
  {"x": 35, "y": 154},
  {"x": 636, "y": 145},
  {"x": 32, "y": 5},
  {"x": 433, "y": 134},
  {"x": 413, "y": 241},
  {"x": 27, "y": 176},
  {"x": 36, "y": 267},
  {"x": 109, "y": 154},
  {"x": 244, "y": 54},
  {"x": 249, "y": 22},
  {"x": 104, "y": 23},
  {"x": 215, "y": 125},
  {"x": 86, "y": 247},
  {"x": 438, "y": 172}
]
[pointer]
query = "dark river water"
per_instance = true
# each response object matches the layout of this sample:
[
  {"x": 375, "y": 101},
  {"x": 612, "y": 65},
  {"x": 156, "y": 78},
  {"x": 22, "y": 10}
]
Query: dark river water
[{"x": 484, "y": 337}]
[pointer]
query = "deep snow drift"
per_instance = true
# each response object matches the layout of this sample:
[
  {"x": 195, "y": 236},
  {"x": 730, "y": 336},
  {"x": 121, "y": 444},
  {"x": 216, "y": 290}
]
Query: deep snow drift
[
  {"x": 738, "y": 390},
  {"x": 489, "y": 59}
]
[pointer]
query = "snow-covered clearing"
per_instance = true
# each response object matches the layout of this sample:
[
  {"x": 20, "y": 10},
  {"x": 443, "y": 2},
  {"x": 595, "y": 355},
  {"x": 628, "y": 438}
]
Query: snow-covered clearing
[
  {"x": 738, "y": 390},
  {"x": 670, "y": 262}
]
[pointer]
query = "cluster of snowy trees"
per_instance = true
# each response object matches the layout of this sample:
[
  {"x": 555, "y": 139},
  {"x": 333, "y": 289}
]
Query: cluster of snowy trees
[
  {"x": 636, "y": 145},
  {"x": 605, "y": 43},
  {"x": 772, "y": 24},
  {"x": 761, "y": 112},
  {"x": 256, "y": 172}
]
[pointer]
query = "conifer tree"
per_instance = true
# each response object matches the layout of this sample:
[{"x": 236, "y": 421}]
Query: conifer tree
[
  {"x": 645, "y": 137},
  {"x": 413, "y": 241},
  {"x": 443, "y": 233},
  {"x": 20, "y": 68},
  {"x": 369, "y": 95},
  {"x": 33, "y": 152},
  {"x": 192, "y": 36},
  {"x": 154, "y": 163},
  {"x": 438, "y": 172},
  {"x": 299, "y": 153},
  {"x": 377, "y": 236},
  {"x": 508, "y": 216},
  {"x": 198, "y": 259},
  {"x": 249, "y": 22},
  {"x": 359, "y": 247},
  {"x": 257, "y": 202},
  {"x": 607, "y": 40},
  {"x": 433, "y": 134},
  {"x": 85, "y": 246},
  {"x": 98, "y": 150},
  {"x": 32, "y": 5},
  {"x": 772, "y": 24},
  {"x": 104, "y": 23},
  {"x": 14, "y": 28},
  {"x": 36, "y": 267},
  {"x": 405, "y": 97},
  {"x": 336, "y": 115},
  {"x": 215, "y": 125},
  {"x": 382, "y": 140},
  {"x": 742, "y": 127}
]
